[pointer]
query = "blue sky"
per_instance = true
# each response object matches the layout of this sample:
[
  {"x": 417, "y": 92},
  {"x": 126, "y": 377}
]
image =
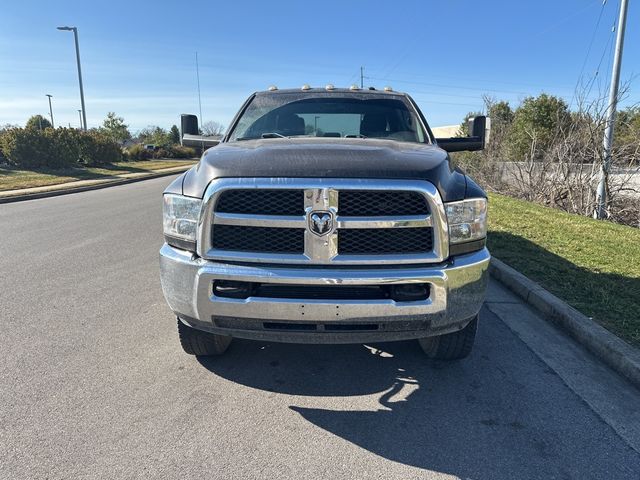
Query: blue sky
[{"x": 138, "y": 57}]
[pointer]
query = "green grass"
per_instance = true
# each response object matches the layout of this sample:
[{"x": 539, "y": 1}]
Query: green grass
[
  {"x": 592, "y": 265},
  {"x": 14, "y": 178}
]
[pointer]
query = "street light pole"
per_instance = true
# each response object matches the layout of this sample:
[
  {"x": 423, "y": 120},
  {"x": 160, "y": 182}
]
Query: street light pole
[
  {"x": 601, "y": 194},
  {"x": 50, "y": 110},
  {"x": 75, "y": 36},
  {"x": 80, "y": 117}
]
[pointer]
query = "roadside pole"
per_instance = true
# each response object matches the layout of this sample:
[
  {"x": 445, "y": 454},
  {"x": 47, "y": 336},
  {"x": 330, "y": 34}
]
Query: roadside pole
[
  {"x": 50, "y": 110},
  {"x": 84, "y": 110},
  {"x": 601, "y": 195}
]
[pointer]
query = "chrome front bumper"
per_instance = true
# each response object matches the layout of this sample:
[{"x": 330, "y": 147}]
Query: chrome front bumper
[{"x": 457, "y": 291}]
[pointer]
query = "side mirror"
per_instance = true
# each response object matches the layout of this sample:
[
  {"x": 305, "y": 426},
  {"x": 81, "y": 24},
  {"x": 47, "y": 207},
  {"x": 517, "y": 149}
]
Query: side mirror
[
  {"x": 477, "y": 128},
  {"x": 191, "y": 135},
  {"x": 188, "y": 124}
]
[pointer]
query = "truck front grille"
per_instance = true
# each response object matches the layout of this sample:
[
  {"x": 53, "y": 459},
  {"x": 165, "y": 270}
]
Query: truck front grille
[
  {"x": 362, "y": 203},
  {"x": 262, "y": 202},
  {"x": 324, "y": 221},
  {"x": 258, "y": 239},
  {"x": 377, "y": 241}
]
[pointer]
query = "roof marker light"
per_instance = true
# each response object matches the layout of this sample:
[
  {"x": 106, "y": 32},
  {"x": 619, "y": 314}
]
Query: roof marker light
[
  {"x": 388, "y": 89},
  {"x": 306, "y": 87},
  {"x": 354, "y": 87},
  {"x": 272, "y": 88},
  {"x": 329, "y": 87}
]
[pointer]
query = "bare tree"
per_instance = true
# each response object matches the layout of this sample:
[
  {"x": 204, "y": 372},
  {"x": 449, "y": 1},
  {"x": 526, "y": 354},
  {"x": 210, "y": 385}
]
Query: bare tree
[
  {"x": 212, "y": 128},
  {"x": 560, "y": 166},
  {"x": 564, "y": 173}
]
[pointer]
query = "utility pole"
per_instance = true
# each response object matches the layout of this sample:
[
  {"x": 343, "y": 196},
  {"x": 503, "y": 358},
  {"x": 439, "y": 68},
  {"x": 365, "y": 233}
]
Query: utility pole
[
  {"x": 361, "y": 77},
  {"x": 199, "y": 102},
  {"x": 607, "y": 144},
  {"x": 75, "y": 36},
  {"x": 80, "y": 117},
  {"x": 50, "y": 110}
]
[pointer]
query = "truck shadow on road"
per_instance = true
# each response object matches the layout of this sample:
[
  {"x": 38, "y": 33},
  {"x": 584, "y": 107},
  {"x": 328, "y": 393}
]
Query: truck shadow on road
[{"x": 502, "y": 413}]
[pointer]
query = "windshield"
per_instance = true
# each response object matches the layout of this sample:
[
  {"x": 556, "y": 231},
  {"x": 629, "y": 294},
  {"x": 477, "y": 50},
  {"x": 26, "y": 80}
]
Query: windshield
[{"x": 329, "y": 115}]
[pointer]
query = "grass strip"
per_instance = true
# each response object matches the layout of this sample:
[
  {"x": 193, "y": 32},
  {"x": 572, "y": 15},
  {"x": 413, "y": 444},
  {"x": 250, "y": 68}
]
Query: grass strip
[
  {"x": 14, "y": 178},
  {"x": 592, "y": 265}
]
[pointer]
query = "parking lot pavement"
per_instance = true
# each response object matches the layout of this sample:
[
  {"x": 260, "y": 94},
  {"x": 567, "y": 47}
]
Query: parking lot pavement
[{"x": 93, "y": 383}]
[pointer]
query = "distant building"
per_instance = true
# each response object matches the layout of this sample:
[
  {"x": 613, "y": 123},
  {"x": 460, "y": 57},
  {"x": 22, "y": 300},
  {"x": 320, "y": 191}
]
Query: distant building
[
  {"x": 449, "y": 131},
  {"x": 446, "y": 131}
]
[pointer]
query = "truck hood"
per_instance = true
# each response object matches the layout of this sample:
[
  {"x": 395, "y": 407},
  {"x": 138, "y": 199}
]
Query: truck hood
[{"x": 326, "y": 158}]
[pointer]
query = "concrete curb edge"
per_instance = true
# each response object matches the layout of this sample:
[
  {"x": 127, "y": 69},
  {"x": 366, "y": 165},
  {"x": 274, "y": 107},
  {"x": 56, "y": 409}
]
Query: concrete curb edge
[
  {"x": 97, "y": 186},
  {"x": 612, "y": 350}
]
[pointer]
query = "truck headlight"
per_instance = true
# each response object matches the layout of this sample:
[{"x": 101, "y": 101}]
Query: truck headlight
[
  {"x": 180, "y": 220},
  {"x": 467, "y": 220}
]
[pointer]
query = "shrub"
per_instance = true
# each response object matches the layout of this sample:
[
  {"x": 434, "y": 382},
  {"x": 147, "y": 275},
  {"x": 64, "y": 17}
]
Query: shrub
[
  {"x": 138, "y": 152},
  {"x": 59, "y": 148},
  {"x": 163, "y": 152},
  {"x": 64, "y": 145},
  {"x": 174, "y": 151},
  {"x": 97, "y": 148},
  {"x": 178, "y": 151},
  {"x": 28, "y": 148}
]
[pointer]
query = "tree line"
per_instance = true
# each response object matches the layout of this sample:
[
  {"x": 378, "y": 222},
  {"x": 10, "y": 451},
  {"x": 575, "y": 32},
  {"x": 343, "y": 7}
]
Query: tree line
[{"x": 38, "y": 145}]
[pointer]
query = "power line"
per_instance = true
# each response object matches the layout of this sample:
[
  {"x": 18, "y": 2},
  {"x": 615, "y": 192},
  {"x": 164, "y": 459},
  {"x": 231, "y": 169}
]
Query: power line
[
  {"x": 423, "y": 100},
  {"x": 353, "y": 77},
  {"x": 564, "y": 20},
  {"x": 608, "y": 47},
  {"x": 446, "y": 78},
  {"x": 454, "y": 95},
  {"x": 610, "y": 56},
  {"x": 397, "y": 64},
  {"x": 586, "y": 58},
  {"x": 458, "y": 87}
]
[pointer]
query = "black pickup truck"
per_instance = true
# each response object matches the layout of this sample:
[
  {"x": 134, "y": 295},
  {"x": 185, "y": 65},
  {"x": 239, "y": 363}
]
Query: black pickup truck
[{"x": 327, "y": 215}]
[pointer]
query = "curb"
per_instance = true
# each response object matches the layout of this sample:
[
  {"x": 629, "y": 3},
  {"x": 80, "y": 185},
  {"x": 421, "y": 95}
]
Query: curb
[
  {"x": 97, "y": 186},
  {"x": 609, "y": 348}
]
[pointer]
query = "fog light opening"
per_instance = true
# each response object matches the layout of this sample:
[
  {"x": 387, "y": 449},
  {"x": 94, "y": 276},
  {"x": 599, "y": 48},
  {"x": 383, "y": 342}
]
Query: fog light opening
[
  {"x": 410, "y": 292},
  {"x": 227, "y": 289}
]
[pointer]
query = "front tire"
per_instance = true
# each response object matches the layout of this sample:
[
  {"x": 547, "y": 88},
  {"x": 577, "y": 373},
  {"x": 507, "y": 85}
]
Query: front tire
[
  {"x": 197, "y": 342},
  {"x": 452, "y": 346}
]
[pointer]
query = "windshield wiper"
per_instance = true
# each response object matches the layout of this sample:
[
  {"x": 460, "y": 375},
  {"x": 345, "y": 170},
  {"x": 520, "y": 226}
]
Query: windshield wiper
[
  {"x": 264, "y": 135},
  {"x": 273, "y": 135}
]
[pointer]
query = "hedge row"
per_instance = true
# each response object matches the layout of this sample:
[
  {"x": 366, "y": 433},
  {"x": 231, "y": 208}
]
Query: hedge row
[
  {"x": 57, "y": 148},
  {"x": 139, "y": 152}
]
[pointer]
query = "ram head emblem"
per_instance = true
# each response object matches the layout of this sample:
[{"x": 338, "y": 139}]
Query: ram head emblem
[{"x": 321, "y": 223}]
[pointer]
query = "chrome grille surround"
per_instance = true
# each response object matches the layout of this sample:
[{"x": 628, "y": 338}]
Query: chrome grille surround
[{"x": 322, "y": 195}]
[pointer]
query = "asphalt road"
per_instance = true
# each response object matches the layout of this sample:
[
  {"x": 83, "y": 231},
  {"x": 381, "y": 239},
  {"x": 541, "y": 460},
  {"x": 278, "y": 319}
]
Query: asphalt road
[{"x": 93, "y": 383}]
